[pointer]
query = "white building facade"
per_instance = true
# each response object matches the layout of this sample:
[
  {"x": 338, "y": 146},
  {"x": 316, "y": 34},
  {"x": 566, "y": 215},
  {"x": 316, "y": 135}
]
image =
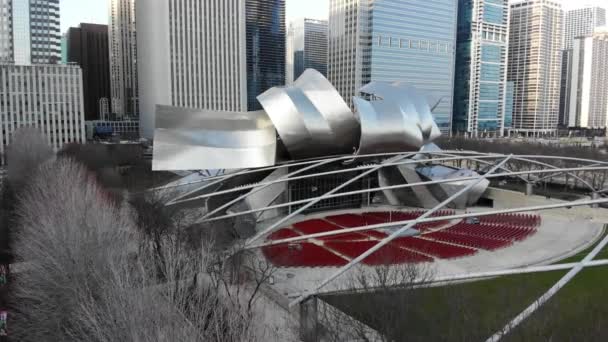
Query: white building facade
[
  {"x": 534, "y": 65},
  {"x": 215, "y": 55},
  {"x": 122, "y": 35},
  {"x": 580, "y": 22},
  {"x": 588, "y": 107},
  {"x": 349, "y": 46},
  {"x": 192, "y": 54},
  {"x": 48, "y": 97}
]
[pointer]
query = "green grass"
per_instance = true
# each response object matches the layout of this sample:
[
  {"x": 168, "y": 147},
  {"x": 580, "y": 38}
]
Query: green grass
[{"x": 475, "y": 310}]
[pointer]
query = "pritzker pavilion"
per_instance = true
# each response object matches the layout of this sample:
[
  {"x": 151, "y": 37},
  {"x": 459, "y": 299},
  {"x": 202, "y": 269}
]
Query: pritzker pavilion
[{"x": 318, "y": 190}]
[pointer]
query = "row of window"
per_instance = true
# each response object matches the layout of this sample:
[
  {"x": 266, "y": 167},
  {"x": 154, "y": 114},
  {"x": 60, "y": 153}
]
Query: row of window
[{"x": 419, "y": 44}]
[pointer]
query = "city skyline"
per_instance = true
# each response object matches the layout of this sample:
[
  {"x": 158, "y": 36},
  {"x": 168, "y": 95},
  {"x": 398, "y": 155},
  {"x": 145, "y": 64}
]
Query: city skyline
[{"x": 74, "y": 12}]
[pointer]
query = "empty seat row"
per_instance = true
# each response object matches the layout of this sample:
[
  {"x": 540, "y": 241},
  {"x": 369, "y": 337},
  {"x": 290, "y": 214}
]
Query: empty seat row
[
  {"x": 387, "y": 255},
  {"x": 526, "y": 220},
  {"x": 503, "y": 232},
  {"x": 469, "y": 240},
  {"x": 302, "y": 255},
  {"x": 434, "y": 248}
]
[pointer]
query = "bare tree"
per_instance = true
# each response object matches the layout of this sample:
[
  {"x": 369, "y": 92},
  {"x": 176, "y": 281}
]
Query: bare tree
[
  {"x": 95, "y": 276},
  {"x": 73, "y": 239},
  {"x": 232, "y": 276},
  {"x": 28, "y": 149}
]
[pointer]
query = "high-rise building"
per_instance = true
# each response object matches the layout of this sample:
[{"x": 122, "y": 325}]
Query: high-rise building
[
  {"x": 481, "y": 67},
  {"x": 348, "y": 46},
  {"x": 123, "y": 58},
  {"x": 534, "y": 65},
  {"x": 265, "y": 38},
  {"x": 223, "y": 64},
  {"x": 578, "y": 23},
  {"x": 29, "y": 32},
  {"x": 6, "y": 35},
  {"x": 390, "y": 40},
  {"x": 581, "y": 23},
  {"x": 45, "y": 31},
  {"x": 48, "y": 97},
  {"x": 88, "y": 47},
  {"x": 589, "y": 88},
  {"x": 64, "y": 48},
  {"x": 306, "y": 47},
  {"x": 21, "y": 33}
]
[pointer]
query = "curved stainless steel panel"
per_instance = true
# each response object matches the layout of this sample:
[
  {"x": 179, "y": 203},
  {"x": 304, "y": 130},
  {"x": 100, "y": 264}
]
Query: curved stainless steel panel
[
  {"x": 445, "y": 190},
  {"x": 330, "y": 104},
  {"x": 396, "y": 108},
  {"x": 384, "y": 128},
  {"x": 193, "y": 139},
  {"x": 311, "y": 117}
]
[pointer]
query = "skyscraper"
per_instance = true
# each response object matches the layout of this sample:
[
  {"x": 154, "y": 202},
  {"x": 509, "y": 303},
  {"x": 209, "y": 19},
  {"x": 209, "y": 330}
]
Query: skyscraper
[
  {"x": 306, "y": 47},
  {"x": 88, "y": 47},
  {"x": 265, "y": 37},
  {"x": 348, "y": 46},
  {"x": 45, "y": 31},
  {"x": 21, "y": 33},
  {"x": 589, "y": 88},
  {"x": 35, "y": 90},
  {"x": 390, "y": 40},
  {"x": 29, "y": 32},
  {"x": 123, "y": 58},
  {"x": 6, "y": 36},
  {"x": 481, "y": 66},
  {"x": 581, "y": 23},
  {"x": 534, "y": 65},
  {"x": 578, "y": 23},
  {"x": 223, "y": 64},
  {"x": 48, "y": 97}
]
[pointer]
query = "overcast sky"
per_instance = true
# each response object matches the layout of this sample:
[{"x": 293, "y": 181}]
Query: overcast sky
[{"x": 74, "y": 12}]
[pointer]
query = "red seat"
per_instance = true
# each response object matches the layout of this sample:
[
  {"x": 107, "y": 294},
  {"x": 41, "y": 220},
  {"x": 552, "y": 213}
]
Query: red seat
[
  {"x": 315, "y": 226},
  {"x": 352, "y": 220},
  {"x": 387, "y": 255},
  {"x": 434, "y": 248},
  {"x": 302, "y": 255}
]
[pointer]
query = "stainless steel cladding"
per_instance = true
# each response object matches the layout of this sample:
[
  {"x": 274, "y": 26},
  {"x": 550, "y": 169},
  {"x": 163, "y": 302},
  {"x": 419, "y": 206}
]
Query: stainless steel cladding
[
  {"x": 397, "y": 118},
  {"x": 442, "y": 191},
  {"x": 311, "y": 117},
  {"x": 194, "y": 139}
]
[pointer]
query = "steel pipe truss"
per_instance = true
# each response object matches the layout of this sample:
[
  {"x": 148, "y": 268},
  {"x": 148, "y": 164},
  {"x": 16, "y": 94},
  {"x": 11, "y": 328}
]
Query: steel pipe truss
[{"x": 541, "y": 167}]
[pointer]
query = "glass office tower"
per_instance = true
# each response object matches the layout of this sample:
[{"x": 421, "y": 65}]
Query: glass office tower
[
  {"x": 413, "y": 42},
  {"x": 481, "y": 62},
  {"x": 265, "y": 32},
  {"x": 409, "y": 41}
]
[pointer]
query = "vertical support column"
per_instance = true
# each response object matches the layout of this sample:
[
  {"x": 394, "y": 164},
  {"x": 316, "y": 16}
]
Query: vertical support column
[
  {"x": 595, "y": 196},
  {"x": 309, "y": 320},
  {"x": 529, "y": 189}
]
